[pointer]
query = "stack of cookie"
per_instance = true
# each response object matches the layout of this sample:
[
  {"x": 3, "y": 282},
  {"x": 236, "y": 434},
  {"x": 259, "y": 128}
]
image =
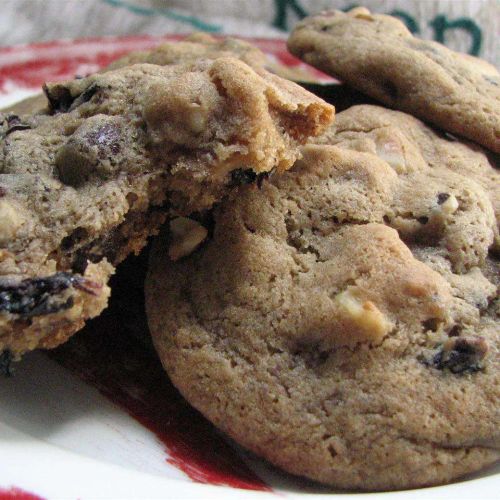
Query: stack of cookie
[{"x": 340, "y": 317}]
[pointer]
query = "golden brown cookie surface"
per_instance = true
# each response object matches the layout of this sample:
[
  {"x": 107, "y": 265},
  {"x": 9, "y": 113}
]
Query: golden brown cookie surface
[
  {"x": 376, "y": 54},
  {"x": 343, "y": 320}
]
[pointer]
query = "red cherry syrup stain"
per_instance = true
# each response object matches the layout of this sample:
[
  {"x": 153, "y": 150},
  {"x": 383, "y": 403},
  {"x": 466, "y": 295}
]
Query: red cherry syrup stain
[
  {"x": 112, "y": 354},
  {"x": 17, "y": 494}
]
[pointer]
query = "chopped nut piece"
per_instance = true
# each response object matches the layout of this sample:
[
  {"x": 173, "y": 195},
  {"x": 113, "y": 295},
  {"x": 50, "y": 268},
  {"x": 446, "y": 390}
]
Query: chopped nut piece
[
  {"x": 362, "y": 13},
  {"x": 450, "y": 205},
  {"x": 186, "y": 236},
  {"x": 10, "y": 221},
  {"x": 368, "y": 322}
]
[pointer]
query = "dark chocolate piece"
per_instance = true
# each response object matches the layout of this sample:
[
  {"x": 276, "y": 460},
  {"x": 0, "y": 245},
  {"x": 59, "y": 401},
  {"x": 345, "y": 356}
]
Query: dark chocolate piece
[{"x": 61, "y": 100}]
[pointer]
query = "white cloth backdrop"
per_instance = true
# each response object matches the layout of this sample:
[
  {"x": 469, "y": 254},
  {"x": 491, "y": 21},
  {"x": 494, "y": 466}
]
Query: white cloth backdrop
[{"x": 467, "y": 25}]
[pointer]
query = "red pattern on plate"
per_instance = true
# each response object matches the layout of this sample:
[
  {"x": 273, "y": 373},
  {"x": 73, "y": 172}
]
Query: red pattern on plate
[
  {"x": 108, "y": 355},
  {"x": 14, "y": 493},
  {"x": 29, "y": 66}
]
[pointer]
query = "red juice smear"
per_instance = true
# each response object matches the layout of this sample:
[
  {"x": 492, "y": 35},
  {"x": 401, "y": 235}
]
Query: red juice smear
[
  {"x": 14, "y": 493},
  {"x": 108, "y": 356}
]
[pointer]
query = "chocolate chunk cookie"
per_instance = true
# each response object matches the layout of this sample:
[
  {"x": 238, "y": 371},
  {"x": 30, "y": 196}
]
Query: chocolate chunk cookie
[
  {"x": 342, "y": 320},
  {"x": 84, "y": 185},
  {"x": 376, "y": 54}
]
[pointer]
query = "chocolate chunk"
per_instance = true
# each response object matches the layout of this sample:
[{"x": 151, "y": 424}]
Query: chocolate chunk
[
  {"x": 59, "y": 97},
  {"x": 431, "y": 324},
  {"x": 13, "y": 120},
  {"x": 14, "y": 123},
  {"x": 17, "y": 126},
  {"x": 459, "y": 355},
  {"x": 454, "y": 331},
  {"x": 242, "y": 176},
  {"x": 442, "y": 197},
  {"x": 85, "y": 96},
  {"x": 423, "y": 220},
  {"x": 39, "y": 296},
  {"x": 74, "y": 164},
  {"x": 61, "y": 100},
  {"x": 6, "y": 363},
  {"x": 89, "y": 150},
  {"x": 264, "y": 176},
  {"x": 77, "y": 235},
  {"x": 106, "y": 138}
]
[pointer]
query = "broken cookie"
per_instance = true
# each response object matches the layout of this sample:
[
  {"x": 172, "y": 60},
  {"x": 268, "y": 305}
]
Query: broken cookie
[{"x": 84, "y": 185}]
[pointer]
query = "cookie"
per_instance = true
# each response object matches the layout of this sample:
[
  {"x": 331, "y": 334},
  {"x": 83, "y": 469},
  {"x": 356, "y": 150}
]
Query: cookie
[
  {"x": 29, "y": 106},
  {"x": 192, "y": 48},
  {"x": 86, "y": 184},
  {"x": 342, "y": 321},
  {"x": 377, "y": 55},
  {"x": 204, "y": 46}
]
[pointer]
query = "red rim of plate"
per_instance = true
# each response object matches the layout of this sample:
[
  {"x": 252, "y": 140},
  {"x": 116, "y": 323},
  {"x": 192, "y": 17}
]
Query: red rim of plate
[{"x": 29, "y": 66}]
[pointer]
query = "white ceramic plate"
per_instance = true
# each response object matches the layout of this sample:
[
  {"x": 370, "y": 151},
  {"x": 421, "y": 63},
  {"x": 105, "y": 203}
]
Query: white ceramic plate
[{"x": 67, "y": 431}]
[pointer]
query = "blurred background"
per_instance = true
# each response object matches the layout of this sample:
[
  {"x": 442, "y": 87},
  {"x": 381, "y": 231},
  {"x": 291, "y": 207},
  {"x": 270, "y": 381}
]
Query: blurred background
[{"x": 471, "y": 26}]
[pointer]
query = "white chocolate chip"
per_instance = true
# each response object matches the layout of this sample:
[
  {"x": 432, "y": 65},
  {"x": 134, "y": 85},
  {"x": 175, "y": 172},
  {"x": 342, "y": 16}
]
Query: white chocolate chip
[
  {"x": 186, "y": 236},
  {"x": 10, "y": 222},
  {"x": 450, "y": 205},
  {"x": 366, "y": 320}
]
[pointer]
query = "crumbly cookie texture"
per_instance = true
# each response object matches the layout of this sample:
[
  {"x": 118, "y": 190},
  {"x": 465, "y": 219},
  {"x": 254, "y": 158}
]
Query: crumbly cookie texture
[
  {"x": 120, "y": 151},
  {"x": 379, "y": 56},
  {"x": 343, "y": 319}
]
